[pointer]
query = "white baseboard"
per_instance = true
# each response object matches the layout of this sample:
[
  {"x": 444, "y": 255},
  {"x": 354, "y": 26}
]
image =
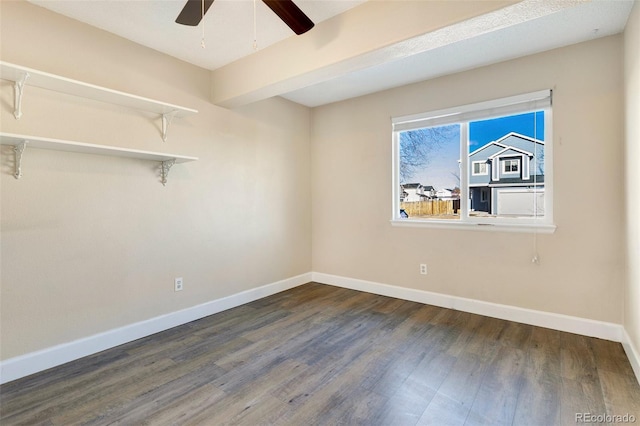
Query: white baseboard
[
  {"x": 577, "y": 325},
  {"x": 632, "y": 354},
  {"x": 34, "y": 362},
  {"x": 24, "y": 365},
  {"x": 583, "y": 326}
]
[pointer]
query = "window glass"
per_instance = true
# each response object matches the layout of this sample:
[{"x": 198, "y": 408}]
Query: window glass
[
  {"x": 479, "y": 168},
  {"x": 430, "y": 172},
  {"x": 514, "y": 146},
  {"x": 482, "y": 163}
]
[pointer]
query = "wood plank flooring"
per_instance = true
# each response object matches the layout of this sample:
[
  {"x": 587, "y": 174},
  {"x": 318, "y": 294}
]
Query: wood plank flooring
[{"x": 322, "y": 355}]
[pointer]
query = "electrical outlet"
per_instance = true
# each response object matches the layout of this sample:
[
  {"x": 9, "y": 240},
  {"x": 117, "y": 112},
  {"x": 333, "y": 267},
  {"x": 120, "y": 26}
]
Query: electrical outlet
[
  {"x": 423, "y": 269},
  {"x": 178, "y": 283}
]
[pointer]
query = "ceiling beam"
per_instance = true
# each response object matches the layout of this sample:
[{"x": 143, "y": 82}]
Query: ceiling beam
[{"x": 371, "y": 33}]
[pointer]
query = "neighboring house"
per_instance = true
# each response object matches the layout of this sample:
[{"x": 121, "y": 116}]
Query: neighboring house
[
  {"x": 506, "y": 176},
  {"x": 447, "y": 194},
  {"x": 412, "y": 192}
]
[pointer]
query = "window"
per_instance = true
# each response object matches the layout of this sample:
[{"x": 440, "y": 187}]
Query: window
[
  {"x": 493, "y": 160},
  {"x": 480, "y": 168},
  {"x": 510, "y": 166},
  {"x": 484, "y": 195}
]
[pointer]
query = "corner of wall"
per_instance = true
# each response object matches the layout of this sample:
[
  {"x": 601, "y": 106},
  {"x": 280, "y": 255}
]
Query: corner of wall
[{"x": 631, "y": 318}]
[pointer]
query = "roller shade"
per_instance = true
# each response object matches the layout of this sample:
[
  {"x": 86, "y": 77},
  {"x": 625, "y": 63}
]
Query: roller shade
[{"x": 483, "y": 110}]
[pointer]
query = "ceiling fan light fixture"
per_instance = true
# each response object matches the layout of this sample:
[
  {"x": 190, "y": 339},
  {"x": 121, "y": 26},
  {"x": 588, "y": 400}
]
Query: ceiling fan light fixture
[
  {"x": 194, "y": 11},
  {"x": 290, "y": 15}
]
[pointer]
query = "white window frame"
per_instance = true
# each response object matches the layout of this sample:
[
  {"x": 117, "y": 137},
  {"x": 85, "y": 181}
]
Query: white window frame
[
  {"x": 510, "y": 172},
  {"x": 536, "y": 101},
  {"x": 473, "y": 168}
]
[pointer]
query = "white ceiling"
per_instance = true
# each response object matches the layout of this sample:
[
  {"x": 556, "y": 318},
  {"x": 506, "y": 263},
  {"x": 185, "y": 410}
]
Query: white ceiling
[
  {"x": 518, "y": 30},
  {"x": 228, "y": 25},
  {"x": 570, "y": 25}
]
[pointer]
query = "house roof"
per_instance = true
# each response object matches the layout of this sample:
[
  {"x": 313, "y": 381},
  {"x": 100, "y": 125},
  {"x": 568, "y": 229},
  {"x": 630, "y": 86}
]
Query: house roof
[
  {"x": 521, "y": 136},
  {"x": 510, "y": 148},
  {"x": 417, "y": 185},
  {"x": 494, "y": 143},
  {"x": 501, "y": 142}
]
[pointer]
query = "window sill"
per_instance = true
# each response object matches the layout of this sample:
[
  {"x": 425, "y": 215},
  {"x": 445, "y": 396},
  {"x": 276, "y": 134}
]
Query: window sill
[{"x": 474, "y": 226}]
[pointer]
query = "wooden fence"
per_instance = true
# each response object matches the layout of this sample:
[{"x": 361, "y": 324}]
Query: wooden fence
[{"x": 431, "y": 208}]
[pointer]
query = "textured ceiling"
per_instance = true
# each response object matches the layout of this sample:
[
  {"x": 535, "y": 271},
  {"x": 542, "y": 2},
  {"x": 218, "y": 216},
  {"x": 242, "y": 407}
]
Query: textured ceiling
[
  {"x": 458, "y": 48},
  {"x": 520, "y": 29}
]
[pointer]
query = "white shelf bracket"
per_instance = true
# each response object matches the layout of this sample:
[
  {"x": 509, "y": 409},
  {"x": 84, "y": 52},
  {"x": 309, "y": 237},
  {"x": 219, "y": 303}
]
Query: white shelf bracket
[
  {"x": 165, "y": 166},
  {"x": 18, "y": 90},
  {"x": 18, "y": 150},
  {"x": 166, "y": 121}
]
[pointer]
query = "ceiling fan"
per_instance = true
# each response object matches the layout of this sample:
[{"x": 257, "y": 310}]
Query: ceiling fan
[{"x": 194, "y": 10}]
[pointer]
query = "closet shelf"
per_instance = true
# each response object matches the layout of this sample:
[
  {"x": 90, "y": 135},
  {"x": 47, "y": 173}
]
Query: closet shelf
[
  {"x": 22, "y": 76},
  {"x": 20, "y": 142}
]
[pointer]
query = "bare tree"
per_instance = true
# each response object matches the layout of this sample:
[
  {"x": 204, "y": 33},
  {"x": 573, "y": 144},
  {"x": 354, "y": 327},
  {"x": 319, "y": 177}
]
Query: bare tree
[
  {"x": 417, "y": 146},
  {"x": 540, "y": 162},
  {"x": 456, "y": 175}
]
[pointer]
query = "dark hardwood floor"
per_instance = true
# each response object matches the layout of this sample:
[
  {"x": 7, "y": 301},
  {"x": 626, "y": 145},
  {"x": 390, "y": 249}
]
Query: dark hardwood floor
[{"x": 323, "y": 355}]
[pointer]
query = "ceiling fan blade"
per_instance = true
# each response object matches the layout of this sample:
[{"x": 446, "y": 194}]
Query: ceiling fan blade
[
  {"x": 192, "y": 12},
  {"x": 291, "y": 15}
]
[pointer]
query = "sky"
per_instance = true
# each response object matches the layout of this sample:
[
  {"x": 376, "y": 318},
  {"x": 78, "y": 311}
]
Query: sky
[
  {"x": 483, "y": 132},
  {"x": 443, "y": 163}
]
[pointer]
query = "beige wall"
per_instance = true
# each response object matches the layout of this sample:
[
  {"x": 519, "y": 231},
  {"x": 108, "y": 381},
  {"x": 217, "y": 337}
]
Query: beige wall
[
  {"x": 632, "y": 91},
  {"x": 582, "y": 264},
  {"x": 91, "y": 243}
]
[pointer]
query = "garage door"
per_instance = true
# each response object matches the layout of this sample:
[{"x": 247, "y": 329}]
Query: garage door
[{"x": 520, "y": 203}]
